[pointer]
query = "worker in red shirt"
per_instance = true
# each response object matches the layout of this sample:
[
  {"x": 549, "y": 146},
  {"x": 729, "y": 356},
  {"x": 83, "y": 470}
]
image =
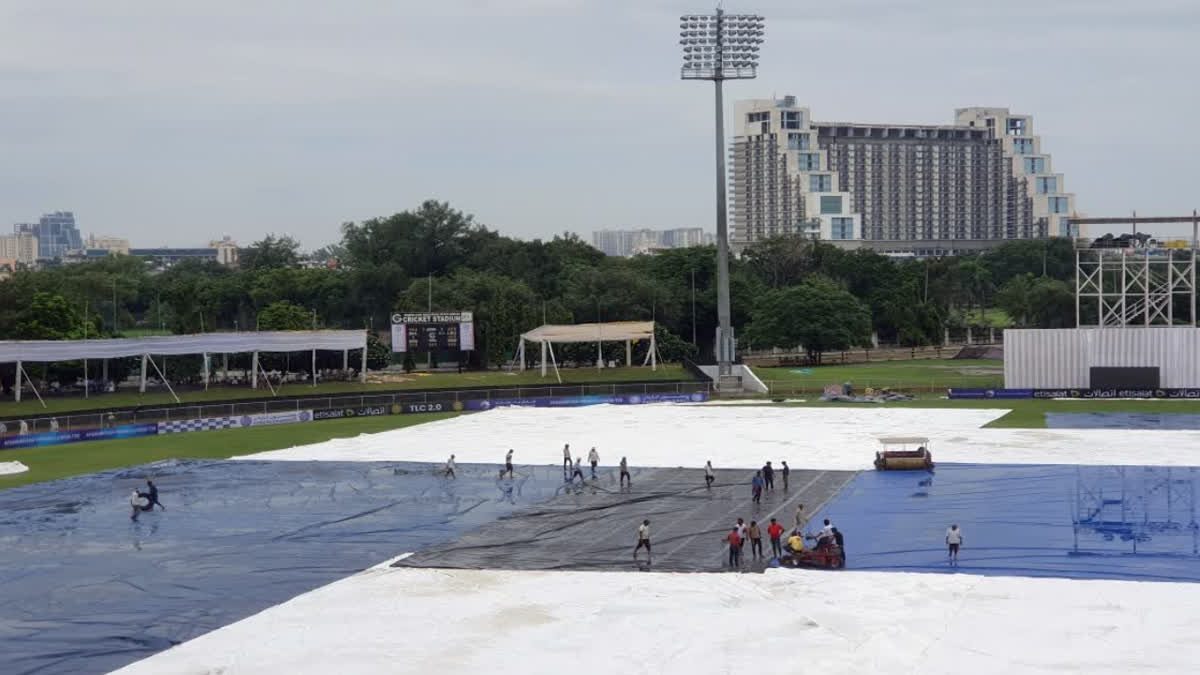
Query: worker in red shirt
[
  {"x": 775, "y": 531},
  {"x": 735, "y": 547}
]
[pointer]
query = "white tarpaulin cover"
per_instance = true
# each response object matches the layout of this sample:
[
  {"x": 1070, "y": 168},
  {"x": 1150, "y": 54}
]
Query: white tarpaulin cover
[
  {"x": 592, "y": 332},
  {"x": 213, "y": 343}
]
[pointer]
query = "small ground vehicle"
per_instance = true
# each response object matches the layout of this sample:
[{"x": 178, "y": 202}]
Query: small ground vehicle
[
  {"x": 895, "y": 455},
  {"x": 829, "y": 556}
]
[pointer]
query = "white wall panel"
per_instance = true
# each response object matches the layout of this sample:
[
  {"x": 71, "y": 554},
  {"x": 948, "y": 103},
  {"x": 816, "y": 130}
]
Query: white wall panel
[{"x": 1054, "y": 359}]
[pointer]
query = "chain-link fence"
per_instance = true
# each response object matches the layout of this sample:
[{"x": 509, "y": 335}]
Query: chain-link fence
[{"x": 113, "y": 418}]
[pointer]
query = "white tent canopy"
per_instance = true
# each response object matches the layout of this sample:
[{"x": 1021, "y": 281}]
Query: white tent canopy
[
  {"x": 592, "y": 332},
  {"x": 45, "y": 351},
  {"x": 174, "y": 345},
  {"x": 617, "y": 331}
]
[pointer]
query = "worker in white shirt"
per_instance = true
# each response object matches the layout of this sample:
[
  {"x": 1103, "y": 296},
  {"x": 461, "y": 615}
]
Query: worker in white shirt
[
  {"x": 954, "y": 539},
  {"x": 593, "y": 459},
  {"x": 449, "y": 471},
  {"x": 643, "y": 533}
]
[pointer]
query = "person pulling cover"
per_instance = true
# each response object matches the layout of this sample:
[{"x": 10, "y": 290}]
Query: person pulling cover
[
  {"x": 136, "y": 501},
  {"x": 151, "y": 494}
]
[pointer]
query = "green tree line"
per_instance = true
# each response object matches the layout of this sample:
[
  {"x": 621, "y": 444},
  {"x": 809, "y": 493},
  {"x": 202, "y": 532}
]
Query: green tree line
[{"x": 786, "y": 292}]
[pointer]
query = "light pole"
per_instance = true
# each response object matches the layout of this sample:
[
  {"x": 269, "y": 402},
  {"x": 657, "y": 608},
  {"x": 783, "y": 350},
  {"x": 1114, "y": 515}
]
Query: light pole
[{"x": 721, "y": 47}]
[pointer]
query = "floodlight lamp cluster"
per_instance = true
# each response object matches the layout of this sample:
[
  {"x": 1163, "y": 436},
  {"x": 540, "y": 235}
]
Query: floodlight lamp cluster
[{"x": 720, "y": 46}]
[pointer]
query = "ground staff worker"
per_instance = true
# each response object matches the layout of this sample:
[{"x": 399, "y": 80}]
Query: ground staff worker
[
  {"x": 775, "y": 532},
  {"x": 643, "y": 533}
]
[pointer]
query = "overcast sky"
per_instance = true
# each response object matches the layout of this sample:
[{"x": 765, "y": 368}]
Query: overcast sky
[{"x": 174, "y": 122}]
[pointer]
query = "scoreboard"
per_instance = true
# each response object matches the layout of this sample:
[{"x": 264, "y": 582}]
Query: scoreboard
[{"x": 433, "y": 331}]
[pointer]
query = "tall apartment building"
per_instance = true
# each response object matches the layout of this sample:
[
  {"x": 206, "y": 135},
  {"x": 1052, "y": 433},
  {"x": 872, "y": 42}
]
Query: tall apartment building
[
  {"x": 227, "y": 250},
  {"x": 20, "y": 247},
  {"x": 56, "y": 234},
  {"x": 625, "y": 243},
  {"x": 983, "y": 178}
]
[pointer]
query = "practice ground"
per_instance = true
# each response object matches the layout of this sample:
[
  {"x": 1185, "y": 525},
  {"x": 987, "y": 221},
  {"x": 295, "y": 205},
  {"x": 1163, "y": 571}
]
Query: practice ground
[
  {"x": 986, "y": 615},
  {"x": 926, "y": 375}
]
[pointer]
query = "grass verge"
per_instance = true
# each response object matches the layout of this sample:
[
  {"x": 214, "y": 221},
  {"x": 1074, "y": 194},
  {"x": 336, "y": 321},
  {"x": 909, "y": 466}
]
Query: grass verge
[
  {"x": 61, "y": 461},
  {"x": 918, "y": 374}
]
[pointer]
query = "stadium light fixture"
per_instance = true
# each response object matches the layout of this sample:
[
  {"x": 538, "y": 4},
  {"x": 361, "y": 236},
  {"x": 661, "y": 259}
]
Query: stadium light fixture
[{"x": 719, "y": 47}]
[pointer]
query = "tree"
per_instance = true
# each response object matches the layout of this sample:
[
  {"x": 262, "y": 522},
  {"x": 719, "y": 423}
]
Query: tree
[
  {"x": 783, "y": 261},
  {"x": 328, "y": 252},
  {"x": 429, "y": 240},
  {"x": 671, "y": 348},
  {"x": 976, "y": 281},
  {"x": 270, "y": 253},
  {"x": 1038, "y": 302},
  {"x": 379, "y": 355},
  {"x": 51, "y": 317},
  {"x": 818, "y": 314},
  {"x": 283, "y": 315}
]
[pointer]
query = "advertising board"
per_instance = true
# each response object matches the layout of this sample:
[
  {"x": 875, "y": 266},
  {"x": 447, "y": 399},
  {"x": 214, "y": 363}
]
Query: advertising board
[
  {"x": 271, "y": 419},
  {"x": 576, "y": 401},
  {"x": 78, "y": 436}
]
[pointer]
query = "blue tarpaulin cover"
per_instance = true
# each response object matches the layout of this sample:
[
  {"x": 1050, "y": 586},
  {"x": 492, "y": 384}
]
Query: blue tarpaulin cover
[
  {"x": 83, "y": 589},
  {"x": 1081, "y": 522}
]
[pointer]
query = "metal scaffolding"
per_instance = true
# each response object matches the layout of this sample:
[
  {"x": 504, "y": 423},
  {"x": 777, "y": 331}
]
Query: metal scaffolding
[
  {"x": 1150, "y": 506},
  {"x": 1139, "y": 282}
]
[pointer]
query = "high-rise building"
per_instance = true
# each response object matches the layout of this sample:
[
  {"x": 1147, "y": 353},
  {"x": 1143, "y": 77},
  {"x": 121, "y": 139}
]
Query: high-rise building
[
  {"x": 20, "y": 247},
  {"x": 983, "y": 178},
  {"x": 624, "y": 243},
  {"x": 56, "y": 234},
  {"x": 227, "y": 250}
]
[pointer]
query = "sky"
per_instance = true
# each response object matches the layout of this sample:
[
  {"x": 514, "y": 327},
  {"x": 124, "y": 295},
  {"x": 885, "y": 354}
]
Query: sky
[{"x": 172, "y": 123}]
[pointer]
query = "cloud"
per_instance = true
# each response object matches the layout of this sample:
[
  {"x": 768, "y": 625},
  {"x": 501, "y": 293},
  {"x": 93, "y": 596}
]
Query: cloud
[{"x": 171, "y": 122}]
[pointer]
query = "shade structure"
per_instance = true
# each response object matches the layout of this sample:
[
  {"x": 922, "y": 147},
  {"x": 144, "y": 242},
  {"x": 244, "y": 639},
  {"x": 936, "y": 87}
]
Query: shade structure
[
  {"x": 592, "y": 332},
  {"x": 615, "y": 331},
  {"x": 47, "y": 351},
  {"x": 171, "y": 345}
]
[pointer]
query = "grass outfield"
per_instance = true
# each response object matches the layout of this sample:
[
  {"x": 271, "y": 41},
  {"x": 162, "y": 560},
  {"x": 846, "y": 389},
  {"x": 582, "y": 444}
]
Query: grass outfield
[
  {"x": 30, "y": 406},
  {"x": 918, "y": 374},
  {"x": 1030, "y": 413},
  {"x": 61, "y": 461}
]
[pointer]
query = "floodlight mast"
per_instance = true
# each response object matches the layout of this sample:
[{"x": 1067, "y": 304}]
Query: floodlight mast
[{"x": 721, "y": 47}]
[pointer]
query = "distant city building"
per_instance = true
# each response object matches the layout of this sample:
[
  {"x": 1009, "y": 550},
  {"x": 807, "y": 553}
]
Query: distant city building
[
  {"x": 166, "y": 257},
  {"x": 624, "y": 243},
  {"x": 20, "y": 247},
  {"x": 110, "y": 244},
  {"x": 983, "y": 178},
  {"x": 227, "y": 250},
  {"x": 222, "y": 251},
  {"x": 314, "y": 264},
  {"x": 56, "y": 234}
]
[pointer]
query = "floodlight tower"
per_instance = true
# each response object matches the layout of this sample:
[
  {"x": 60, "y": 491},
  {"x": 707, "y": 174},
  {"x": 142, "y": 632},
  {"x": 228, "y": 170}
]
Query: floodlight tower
[{"x": 721, "y": 47}]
